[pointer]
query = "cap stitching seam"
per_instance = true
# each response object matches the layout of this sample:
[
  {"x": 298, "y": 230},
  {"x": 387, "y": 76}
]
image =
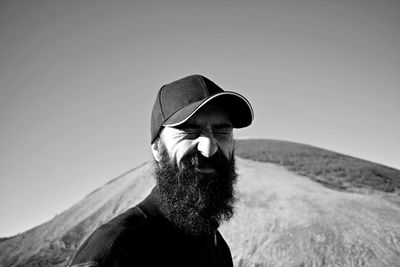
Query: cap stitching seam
[
  {"x": 159, "y": 101},
  {"x": 205, "y": 86}
]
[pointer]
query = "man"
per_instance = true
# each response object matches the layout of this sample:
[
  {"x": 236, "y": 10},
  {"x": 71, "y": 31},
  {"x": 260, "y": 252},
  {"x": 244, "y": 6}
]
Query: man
[{"x": 193, "y": 148}]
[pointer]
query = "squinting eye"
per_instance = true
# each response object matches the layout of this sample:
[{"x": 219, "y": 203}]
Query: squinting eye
[
  {"x": 222, "y": 133},
  {"x": 191, "y": 134}
]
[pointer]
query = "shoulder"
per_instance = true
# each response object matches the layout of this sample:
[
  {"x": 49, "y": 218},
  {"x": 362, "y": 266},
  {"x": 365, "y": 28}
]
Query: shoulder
[
  {"x": 224, "y": 247},
  {"x": 95, "y": 251}
]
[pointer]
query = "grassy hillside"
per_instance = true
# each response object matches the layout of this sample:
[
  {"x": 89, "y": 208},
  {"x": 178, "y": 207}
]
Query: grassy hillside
[{"x": 333, "y": 169}]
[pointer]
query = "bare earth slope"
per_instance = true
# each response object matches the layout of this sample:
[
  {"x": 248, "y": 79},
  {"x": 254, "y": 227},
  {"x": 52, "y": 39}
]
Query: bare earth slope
[
  {"x": 283, "y": 219},
  {"x": 54, "y": 243}
]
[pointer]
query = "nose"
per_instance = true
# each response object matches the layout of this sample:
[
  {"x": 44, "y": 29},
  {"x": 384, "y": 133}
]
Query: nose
[{"x": 207, "y": 146}]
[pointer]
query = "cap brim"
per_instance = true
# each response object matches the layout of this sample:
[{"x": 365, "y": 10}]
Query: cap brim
[{"x": 239, "y": 108}]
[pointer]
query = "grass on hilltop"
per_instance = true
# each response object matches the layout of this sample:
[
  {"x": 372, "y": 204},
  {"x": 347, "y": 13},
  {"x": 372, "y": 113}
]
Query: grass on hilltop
[{"x": 330, "y": 168}]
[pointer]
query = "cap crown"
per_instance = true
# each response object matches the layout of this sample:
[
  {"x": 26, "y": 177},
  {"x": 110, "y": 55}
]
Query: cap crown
[{"x": 177, "y": 95}]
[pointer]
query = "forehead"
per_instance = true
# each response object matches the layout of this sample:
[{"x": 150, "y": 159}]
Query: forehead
[{"x": 210, "y": 115}]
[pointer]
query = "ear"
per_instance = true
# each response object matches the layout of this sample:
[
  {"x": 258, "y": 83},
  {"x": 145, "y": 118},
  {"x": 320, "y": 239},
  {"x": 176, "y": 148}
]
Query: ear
[{"x": 155, "y": 149}]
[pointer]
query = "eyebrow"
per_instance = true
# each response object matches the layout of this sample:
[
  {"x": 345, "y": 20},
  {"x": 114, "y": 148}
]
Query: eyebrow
[
  {"x": 223, "y": 126},
  {"x": 196, "y": 126}
]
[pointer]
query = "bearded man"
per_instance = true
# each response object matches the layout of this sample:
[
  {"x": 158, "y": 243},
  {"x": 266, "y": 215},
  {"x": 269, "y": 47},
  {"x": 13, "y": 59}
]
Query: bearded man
[{"x": 193, "y": 148}]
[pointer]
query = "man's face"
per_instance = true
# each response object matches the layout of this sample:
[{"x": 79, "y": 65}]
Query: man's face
[
  {"x": 196, "y": 172},
  {"x": 208, "y": 131}
]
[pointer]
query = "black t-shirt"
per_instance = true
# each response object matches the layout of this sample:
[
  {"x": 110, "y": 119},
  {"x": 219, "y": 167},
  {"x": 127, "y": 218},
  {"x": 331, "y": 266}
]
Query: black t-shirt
[{"x": 143, "y": 237}]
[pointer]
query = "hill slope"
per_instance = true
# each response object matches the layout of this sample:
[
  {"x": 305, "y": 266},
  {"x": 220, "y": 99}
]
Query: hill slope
[
  {"x": 336, "y": 170},
  {"x": 283, "y": 218}
]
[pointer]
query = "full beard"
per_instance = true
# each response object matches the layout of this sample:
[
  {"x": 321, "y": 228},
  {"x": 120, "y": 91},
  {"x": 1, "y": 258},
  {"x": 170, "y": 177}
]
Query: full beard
[{"x": 193, "y": 201}]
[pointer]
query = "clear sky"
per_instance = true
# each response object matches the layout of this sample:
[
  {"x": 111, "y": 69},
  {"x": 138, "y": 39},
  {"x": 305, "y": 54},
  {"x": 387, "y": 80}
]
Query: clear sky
[{"x": 78, "y": 80}]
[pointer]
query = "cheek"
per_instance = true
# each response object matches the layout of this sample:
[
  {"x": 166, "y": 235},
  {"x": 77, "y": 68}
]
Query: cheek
[
  {"x": 182, "y": 149},
  {"x": 227, "y": 148}
]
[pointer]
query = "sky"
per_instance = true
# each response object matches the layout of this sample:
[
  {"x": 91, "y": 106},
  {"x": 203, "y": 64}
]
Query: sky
[{"x": 78, "y": 80}]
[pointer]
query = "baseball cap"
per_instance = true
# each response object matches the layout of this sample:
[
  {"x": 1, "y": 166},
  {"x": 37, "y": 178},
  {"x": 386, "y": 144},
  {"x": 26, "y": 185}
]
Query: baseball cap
[{"x": 177, "y": 101}]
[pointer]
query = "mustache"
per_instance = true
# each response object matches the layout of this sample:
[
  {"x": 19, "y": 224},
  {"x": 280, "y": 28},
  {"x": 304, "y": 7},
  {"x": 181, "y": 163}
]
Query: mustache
[{"x": 197, "y": 160}]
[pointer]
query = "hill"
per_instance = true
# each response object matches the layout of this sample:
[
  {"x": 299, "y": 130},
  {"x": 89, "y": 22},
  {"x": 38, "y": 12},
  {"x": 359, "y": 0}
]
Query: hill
[
  {"x": 334, "y": 169},
  {"x": 293, "y": 211}
]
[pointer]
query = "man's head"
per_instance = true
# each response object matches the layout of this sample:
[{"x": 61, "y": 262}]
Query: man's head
[{"x": 192, "y": 144}]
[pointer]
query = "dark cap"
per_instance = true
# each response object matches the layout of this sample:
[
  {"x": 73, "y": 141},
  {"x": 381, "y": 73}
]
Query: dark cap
[{"x": 178, "y": 101}]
